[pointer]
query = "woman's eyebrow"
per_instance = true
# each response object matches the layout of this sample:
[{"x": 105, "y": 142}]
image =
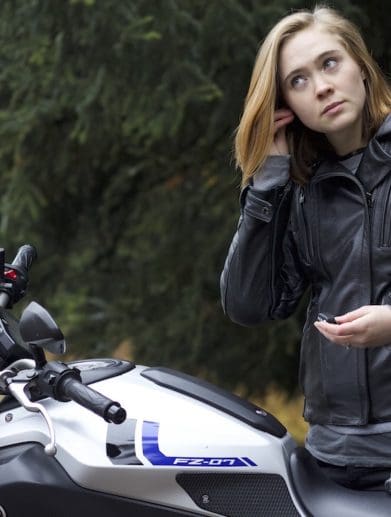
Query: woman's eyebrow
[{"x": 316, "y": 60}]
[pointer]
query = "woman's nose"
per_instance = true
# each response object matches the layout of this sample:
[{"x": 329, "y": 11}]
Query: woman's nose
[{"x": 323, "y": 87}]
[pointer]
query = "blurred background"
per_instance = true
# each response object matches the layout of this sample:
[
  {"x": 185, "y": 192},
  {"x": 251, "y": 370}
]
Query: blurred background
[{"x": 116, "y": 133}]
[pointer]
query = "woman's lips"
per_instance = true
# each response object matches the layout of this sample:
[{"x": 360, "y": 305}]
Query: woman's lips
[{"x": 334, "y": 107}]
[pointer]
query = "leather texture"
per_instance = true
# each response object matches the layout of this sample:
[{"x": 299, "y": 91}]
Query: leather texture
[
  {"x": 333, "y": 236},
  {"x": 321, "y": 497}
]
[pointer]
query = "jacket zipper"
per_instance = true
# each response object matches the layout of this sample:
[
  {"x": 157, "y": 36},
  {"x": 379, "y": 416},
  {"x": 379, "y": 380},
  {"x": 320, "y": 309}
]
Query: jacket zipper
[{"x": 370, "y": 202}]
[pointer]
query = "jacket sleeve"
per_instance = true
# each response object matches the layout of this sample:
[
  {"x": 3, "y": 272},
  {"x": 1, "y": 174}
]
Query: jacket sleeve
[{"x": 262, "y": 277}]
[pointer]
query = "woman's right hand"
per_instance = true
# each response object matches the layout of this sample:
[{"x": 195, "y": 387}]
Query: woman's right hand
[{"x": 282, "y": 117}]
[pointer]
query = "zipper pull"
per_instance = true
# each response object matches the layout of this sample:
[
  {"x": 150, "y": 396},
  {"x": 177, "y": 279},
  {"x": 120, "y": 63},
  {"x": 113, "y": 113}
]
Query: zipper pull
[
  {"x": 369, "y": 199},
  {"x": 301, "y": 196}
]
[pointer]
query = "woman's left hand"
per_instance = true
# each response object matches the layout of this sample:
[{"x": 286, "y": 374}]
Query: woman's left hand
[{"x": 368, "y": 326}]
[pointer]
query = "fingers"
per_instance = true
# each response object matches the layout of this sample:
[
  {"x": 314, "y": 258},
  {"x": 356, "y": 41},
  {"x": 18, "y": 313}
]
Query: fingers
[
  {"x": 366, "y": 326},
  {"x": 281, "y": 125},
  {"x": 348, "y": 325},
  {"x": 353, "y": 315},
  {"x": 282, "y": 118},
  {"x": 349, "y": 329},
  {"x": 283, "y": 113},
  {"x": 336, "y": 333}
]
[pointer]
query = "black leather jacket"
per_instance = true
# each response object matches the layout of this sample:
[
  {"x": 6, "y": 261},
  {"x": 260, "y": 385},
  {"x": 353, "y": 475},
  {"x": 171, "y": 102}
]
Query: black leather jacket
[{"x": 334, "y": 236}]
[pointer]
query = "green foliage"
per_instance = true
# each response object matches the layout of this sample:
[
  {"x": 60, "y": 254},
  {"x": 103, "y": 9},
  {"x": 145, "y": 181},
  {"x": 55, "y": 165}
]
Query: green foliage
[{"x": 116, "y": 125}]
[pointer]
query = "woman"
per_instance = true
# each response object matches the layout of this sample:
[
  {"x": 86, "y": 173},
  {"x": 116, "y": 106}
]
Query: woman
[{"x": 314, "y": 147}]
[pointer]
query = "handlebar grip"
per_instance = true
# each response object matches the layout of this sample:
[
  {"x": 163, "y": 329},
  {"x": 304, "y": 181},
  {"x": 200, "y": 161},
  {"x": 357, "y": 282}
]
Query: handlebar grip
[
  {"x": 21, "y": 264},
  {"x": 25, "y": 256},
  {"x": 90, "y": 399}
]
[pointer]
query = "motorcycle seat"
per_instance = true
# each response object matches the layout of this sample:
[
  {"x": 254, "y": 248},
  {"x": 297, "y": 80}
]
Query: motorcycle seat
[{"x": 321, "y": 497}]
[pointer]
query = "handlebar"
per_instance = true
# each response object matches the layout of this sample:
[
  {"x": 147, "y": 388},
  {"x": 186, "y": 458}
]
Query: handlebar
[
  {"x": 30, "y": 380},
  {"x": 59, "y": 381},
  {"x": 90, "y": 399},
  {"x": 25, "y": 257},
  {"x": 22, "y": 262}
]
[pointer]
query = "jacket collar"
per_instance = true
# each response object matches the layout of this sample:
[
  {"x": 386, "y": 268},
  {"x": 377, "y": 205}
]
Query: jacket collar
[{"x": 376, "y": 161}]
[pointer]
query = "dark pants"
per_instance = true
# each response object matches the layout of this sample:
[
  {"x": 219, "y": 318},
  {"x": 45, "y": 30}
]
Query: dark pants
[{"x": 357, "y": 478}]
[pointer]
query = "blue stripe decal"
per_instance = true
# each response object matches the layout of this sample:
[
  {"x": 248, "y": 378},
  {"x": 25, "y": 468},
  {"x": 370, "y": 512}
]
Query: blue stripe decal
[
  {"x": 152, "y": 452},
  {"x": 249, "y": 462}
]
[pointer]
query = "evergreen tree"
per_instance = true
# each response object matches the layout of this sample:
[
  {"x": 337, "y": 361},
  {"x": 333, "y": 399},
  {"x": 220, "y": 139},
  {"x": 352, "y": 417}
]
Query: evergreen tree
[{"x": 116, "y": 129}]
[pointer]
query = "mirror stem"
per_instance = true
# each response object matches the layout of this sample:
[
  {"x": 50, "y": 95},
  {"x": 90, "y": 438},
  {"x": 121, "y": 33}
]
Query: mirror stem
[{"x": 38, "y": 356}]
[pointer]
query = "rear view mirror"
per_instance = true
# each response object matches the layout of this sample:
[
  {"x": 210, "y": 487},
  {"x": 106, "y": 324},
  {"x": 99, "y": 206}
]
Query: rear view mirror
[{"x": 38, "y": 328}]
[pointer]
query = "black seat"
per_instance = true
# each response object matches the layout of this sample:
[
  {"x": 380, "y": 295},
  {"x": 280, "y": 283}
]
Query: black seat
[{"x": 321, "y": 497}]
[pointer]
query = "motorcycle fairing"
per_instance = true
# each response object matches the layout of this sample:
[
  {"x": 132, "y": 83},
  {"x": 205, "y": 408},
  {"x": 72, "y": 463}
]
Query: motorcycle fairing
[
  {"x": 120, "y": 443},
  {"x": 33, "y": 484},
  {"x": 188, "y": 428},
  {"x": 151, "y": 450},
  {"x": 120, "y": 448}
]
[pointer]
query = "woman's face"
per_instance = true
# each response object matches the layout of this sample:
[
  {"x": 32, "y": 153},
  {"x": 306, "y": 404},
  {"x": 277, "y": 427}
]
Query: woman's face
[{"x": 324, "y": 86}]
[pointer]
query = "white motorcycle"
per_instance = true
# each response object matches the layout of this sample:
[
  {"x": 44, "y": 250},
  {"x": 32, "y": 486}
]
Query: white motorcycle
[{"x": 174, "y": 445}]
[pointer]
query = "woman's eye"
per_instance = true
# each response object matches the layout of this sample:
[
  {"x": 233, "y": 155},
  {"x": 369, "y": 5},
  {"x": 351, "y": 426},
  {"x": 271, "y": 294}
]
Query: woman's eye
[
  {"x": 298, "y": 81},
  {"x": 330, "y": 62}
]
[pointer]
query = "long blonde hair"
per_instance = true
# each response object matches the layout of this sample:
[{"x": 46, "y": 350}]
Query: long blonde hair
[{"x": 254, "y": 135}]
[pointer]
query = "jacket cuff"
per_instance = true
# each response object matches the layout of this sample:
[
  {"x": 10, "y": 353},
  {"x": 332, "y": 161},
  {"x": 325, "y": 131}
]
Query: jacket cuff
[
  {"x": 273, "y": 173},
  {"x": 258, "y": 207},
  {"x": 260, "y": 198}
]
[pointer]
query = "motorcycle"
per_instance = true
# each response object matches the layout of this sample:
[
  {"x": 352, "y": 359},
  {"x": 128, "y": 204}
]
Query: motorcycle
[{"x": 173, "y": 445}]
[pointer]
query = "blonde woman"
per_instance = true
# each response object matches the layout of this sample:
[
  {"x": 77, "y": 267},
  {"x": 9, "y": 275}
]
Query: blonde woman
[{"x": 314, "y": 148}]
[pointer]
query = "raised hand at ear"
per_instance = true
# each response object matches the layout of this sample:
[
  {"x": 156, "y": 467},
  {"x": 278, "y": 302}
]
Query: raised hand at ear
[{"x": 282, "y": 117}]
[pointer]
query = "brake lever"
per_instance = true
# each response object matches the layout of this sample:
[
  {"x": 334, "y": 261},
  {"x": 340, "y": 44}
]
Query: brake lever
[
  {"x": 17, "y": 390},
  {"x": 13, "y": 380}
]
